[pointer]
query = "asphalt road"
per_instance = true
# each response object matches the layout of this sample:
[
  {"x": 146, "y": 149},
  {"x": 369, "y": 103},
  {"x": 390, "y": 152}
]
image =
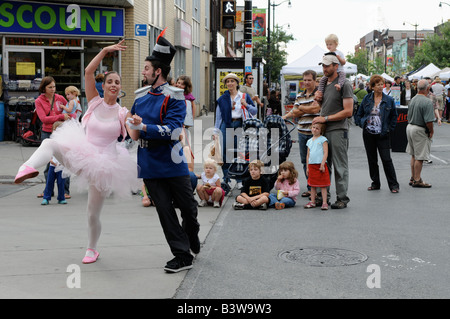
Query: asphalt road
[{"x": 399, "y": 243}]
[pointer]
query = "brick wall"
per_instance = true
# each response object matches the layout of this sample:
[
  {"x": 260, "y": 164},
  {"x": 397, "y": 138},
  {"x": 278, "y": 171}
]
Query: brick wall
[{"x": 132, "y": 57}]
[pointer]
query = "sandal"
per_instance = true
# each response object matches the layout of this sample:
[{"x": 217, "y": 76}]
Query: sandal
[
  {"x": 411, "y": 181},
  {"x": 373, "y": 188},
  {"x": 420, "y": 184},
  {"x": 324, "y": 206},
  {"x": 394, "y": 191},
  {"x": 306, "y": 194},
  {"x": 40, "y": 195},
  {"x": 310, "y": 205},
  {"x": 279, "y": 205}
]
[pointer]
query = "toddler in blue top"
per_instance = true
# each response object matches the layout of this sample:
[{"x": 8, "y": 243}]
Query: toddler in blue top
[{"x": 317, "y": 168}]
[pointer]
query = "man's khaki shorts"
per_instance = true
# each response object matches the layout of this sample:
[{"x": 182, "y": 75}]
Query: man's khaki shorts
[
  {"x": 419, "y": 144},
  {"x": 439, "y": 100}
]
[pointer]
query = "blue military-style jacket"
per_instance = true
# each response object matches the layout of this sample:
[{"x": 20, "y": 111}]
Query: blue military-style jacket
[{"x": 160, "y": 154}]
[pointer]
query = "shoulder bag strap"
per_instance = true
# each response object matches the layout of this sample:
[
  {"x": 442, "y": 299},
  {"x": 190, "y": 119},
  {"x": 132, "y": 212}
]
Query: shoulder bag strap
[{"x": 51, "y": 106}]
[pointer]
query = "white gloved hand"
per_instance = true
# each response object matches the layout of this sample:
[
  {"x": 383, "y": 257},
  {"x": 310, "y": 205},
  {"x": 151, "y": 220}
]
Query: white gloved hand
[{"x": 138, "y": 127}]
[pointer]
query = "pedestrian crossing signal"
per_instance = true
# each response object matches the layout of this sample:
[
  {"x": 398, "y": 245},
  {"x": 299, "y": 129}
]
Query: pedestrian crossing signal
[{"x": 228, "y": 14}]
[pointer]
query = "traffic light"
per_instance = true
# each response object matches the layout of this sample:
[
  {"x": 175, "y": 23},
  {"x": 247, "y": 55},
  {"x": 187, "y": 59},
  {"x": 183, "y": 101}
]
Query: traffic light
[{"x": 228, "y": 14}]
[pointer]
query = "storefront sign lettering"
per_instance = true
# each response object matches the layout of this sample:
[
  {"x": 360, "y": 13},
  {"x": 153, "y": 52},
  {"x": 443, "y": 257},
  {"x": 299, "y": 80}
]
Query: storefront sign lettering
[
  {"x": 47, "y": 42},
  {"x": 39, "y": 18}
]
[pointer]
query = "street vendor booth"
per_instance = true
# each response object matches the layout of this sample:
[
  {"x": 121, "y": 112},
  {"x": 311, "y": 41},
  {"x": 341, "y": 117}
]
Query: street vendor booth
[{"x": 292, "y": 75}]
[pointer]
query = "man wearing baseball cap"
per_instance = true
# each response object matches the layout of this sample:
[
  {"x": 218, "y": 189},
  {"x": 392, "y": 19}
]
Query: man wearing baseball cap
[
  {"x": 337, "y": 106},
  {"x": 157, "y": 121}
]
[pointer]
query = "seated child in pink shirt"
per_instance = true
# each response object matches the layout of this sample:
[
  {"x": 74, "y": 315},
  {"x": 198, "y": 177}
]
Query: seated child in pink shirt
[{"x": 287, "y": 187}]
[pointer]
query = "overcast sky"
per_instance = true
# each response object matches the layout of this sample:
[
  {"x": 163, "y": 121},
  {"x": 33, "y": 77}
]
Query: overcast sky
[{"x": 311, "y": 21}]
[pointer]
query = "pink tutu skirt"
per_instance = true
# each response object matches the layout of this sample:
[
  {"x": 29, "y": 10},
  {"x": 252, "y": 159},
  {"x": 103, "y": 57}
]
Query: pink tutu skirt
[{"x": 110, "y": 168}]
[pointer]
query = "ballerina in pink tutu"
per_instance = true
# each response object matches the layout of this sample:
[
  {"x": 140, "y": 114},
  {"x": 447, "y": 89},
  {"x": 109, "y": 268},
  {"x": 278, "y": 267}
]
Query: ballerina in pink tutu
[{"x": 90, "y": 150}]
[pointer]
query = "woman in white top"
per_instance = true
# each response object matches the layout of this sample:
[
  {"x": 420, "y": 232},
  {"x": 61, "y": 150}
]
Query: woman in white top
[
  {"x": 407, "y": 94},
  {"x": 387, "y": 88},
  {"x": 232, "y": 108}
]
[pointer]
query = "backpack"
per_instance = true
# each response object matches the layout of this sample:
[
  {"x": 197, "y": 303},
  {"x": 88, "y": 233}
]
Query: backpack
[{"x": 355, "y": 104}]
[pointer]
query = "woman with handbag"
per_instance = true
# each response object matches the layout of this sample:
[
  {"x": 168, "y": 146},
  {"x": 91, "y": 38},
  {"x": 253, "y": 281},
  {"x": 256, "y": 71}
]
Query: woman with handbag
[
  {"x": 49, "y": 111},
  {"x": 232, "y": 108}
]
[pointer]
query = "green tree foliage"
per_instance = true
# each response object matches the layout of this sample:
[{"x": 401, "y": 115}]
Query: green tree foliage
[
  {"x": 277, "y": 58},
  {"x": 435, "y": 49},
  {"x": 361, "y": 61},
  {"x": 364, "y": 65}
]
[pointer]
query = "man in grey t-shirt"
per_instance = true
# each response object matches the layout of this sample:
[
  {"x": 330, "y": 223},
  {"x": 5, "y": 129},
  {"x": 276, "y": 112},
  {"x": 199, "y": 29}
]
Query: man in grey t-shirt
[
  {"x": 337, "y": 106},
  {"x": 419, "y": 132}
]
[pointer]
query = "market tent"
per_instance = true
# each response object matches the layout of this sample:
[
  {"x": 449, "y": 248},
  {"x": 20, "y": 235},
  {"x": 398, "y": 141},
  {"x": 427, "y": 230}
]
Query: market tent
[
  {"x": 364, "y": 77},
  {"x": 387, "y": 77},
  {"x": 429, "y": 70},
  {"x": 310, "y": 61},
  {"x": 445, "y": 76}
]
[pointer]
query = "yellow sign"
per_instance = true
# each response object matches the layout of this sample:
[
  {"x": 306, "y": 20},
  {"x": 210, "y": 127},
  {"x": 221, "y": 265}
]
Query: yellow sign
[
  {"x": 223, "y": 87},
  {"x": 25, "y": 68}
]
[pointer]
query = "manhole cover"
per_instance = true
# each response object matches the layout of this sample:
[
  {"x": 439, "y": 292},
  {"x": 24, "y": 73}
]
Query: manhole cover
[{"x": 323, "y": 257}]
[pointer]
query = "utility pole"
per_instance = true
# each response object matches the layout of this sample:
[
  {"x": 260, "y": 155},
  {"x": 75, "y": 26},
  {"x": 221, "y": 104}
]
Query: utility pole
[{"x": 248, "y": 45}]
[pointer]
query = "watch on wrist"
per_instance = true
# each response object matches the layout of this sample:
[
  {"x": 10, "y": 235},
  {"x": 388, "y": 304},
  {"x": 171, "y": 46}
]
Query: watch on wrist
[{"x": 326, "y": 118}]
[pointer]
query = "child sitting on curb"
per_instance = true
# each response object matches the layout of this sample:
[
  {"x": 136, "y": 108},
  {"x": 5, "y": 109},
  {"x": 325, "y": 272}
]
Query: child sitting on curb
[
  {"x": 255, "y": 189},
  {"x": 210, "y": 191},
  {"x": 287, "y": 187}
]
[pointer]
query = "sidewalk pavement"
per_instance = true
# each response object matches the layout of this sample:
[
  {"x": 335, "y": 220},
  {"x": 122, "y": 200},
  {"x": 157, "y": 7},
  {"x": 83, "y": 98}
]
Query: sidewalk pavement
[{"x": 42, "y": 247}]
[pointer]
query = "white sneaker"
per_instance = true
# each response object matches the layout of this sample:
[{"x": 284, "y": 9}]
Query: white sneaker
[
  {"x": 239, "y": 185},
  {"x": 237, "y": 205},
  {"x": 202, "y": 203},
  {"x": 216, "y": 205}
]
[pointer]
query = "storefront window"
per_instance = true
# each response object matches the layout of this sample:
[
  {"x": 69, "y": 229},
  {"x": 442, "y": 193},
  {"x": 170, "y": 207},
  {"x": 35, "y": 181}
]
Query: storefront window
[
  {"x": 24, "y": 65},
  {"x": 65, "y": 67},
  {"x": 93, "y": 47}
]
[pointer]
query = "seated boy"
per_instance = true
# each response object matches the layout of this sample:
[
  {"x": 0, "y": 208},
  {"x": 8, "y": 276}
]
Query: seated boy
[{"x": 255, "y": 189}]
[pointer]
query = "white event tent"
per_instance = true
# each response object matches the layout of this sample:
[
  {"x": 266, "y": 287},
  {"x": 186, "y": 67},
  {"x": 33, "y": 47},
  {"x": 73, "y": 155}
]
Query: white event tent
[
  {"x": 310, "y": 61},
  {"x": 293, "y": 72},
  {"x": 429, "y": 70},
  {"x": 445, "y": 76},
  {"x": 387, "y": 77}
]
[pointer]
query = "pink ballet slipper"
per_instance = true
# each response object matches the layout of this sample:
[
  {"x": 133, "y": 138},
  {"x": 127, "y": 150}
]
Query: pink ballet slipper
[
  {"x": 90, "y": 260},
  {"x": 27, "y": 172}
]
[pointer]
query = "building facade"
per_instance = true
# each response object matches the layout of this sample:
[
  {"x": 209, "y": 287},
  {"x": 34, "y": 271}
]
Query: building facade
[
  {"x": 57, "y": 38},
  {"x": 395, "y": 47}
]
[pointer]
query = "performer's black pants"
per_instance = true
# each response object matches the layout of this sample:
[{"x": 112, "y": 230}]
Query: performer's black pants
[{"x": 165, "y": 192}]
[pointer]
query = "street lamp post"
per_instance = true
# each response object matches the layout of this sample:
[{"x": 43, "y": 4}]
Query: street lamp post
[
  {"x": 385, "y": 41},
  {"x": 415, "y": 31},
  {"x": 269, "y": 68}
]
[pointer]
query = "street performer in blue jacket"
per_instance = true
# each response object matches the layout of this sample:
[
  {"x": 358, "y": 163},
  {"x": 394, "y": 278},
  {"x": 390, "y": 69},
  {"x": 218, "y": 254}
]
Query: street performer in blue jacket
[{"x": 157, "y": 121}]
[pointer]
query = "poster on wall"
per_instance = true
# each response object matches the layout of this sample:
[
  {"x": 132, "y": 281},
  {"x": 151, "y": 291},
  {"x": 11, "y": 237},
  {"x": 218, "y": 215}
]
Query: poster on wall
[
  {"x": 395, "y": 93},
  {"x": 221, "y": 73}
]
